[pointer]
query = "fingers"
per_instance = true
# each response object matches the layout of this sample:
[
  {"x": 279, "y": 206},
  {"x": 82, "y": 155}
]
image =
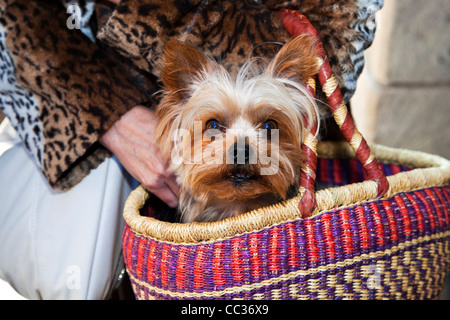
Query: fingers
[
  {"x": 164, "y": 193},
  {"x": 173, "y": 184},
  {"x": 131, "y": 140},
  {"x": 163, "y": 186},
  {"x": 156, "y": 177}
]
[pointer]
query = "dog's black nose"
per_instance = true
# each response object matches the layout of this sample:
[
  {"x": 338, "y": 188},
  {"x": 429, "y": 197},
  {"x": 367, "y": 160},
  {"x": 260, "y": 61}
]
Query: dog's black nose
[{"x": 241, "y": 153}]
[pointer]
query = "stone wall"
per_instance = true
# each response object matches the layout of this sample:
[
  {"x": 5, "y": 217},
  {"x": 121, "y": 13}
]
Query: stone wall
[{"x": 403, "y": 96}]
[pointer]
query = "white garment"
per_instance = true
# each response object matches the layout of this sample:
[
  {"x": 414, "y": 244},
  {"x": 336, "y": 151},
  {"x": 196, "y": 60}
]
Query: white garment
[{"x": 60, "y": 245}]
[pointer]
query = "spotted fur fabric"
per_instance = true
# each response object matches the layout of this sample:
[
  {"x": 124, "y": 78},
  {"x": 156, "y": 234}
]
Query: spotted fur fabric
[
  {"x": 62, "y": 88},
  {"x": 232, "y": 31}
]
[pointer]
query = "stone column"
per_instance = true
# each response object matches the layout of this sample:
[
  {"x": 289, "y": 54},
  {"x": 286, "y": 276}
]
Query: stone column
[{"x": 403, "y": 96}]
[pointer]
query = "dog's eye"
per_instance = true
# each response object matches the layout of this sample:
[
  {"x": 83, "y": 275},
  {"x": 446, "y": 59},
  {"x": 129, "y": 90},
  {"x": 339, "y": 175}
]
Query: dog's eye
[
  {"x": 270, "y": 125},
  {"x": 213, "y": 124}
]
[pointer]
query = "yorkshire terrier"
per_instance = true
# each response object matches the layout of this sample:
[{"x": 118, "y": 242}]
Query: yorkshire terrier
[{"x": 234, "y": 141}]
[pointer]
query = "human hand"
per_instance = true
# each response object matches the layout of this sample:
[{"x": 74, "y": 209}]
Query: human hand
[{"x": 131, "y": 140}]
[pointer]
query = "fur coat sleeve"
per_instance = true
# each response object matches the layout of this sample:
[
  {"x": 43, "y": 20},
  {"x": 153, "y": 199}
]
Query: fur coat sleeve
[{"x": 62, "y": 91}]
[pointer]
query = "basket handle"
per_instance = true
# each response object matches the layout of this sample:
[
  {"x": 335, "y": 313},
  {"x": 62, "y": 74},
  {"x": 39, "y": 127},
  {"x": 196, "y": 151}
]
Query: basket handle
[{"x": 297, "y": 24}]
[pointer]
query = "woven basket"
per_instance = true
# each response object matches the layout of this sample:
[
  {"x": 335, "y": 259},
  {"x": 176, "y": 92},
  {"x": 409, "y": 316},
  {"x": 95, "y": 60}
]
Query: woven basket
[
  {"x": 354, "y": 246},
  {"x": 380, "y": 228}
]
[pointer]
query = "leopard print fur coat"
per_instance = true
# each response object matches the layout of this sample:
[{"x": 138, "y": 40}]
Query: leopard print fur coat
[{"x": 63, "y": 87}]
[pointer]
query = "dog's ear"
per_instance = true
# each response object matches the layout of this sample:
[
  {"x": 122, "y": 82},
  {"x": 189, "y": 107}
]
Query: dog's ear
[
  {"x": 296, "y": 60},
  {"x": 182, "y": 64}
]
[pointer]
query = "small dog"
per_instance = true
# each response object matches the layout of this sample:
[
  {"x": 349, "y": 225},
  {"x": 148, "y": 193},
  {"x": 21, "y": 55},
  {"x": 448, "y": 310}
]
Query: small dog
[{"x": 234, "y": 142}]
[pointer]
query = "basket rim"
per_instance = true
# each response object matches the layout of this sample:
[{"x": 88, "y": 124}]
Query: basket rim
[{"x": 431, "y": 171}]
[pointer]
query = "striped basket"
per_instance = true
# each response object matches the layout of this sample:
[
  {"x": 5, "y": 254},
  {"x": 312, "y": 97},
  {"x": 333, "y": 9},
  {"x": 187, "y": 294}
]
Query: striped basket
[
  {"x": 378, "y": 229},
  {"x": 354, "y": 246}
]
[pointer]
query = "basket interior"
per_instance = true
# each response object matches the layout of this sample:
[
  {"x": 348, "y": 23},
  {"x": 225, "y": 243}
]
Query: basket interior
[
  {"x": 337, "y": 172},
  {"x": 331, "y": 172}
]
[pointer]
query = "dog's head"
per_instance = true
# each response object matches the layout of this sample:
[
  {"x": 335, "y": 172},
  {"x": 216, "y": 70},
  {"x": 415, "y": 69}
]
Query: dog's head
[{"x": 235, "y": 142}]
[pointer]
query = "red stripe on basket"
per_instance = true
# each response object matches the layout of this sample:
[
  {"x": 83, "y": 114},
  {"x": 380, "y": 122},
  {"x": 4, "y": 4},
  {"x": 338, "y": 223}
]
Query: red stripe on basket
[
  {"x": 236, "y": 263},
  {"x": 292, "y": 249},
  {"x": 440, "y": 215},
  {"x": 140, "y": 256},
  {"x": 337, "y": 171},
  {"x": 364, "y": 234},
  {"x": 429, "y": 210},
  {"x": 395, "y": 169},
  {"x": 274, "y": 249},
  {"x": 328, "y": 234},
  {"x": 406, "y": 222},
  {"x": 323, "y": 170},
  {"x": 129, "y": 249},
  {"x": 199, "y": 270},
  {"x": 150, "y": 211},
  {"x": 218, "y": 267},
  {"x": 183, "y": 258},
  {"x": 346, "y": 231},
  {"x": 125, "y": 243},
  {"x": 151, "y": 261},
  {"x": 255, "y": 259},
  {"x": 418, "y": 212},
  {"x": 354, "y": 173},
  {"x": 378, "y": 224},
  {"x": 444, "y": 203},
  {"x": 165, "y": 253},
  {"x": 313, "y": 250},
  {"x": 391, "y": 220},
  {"x": 446, "y": 191}
]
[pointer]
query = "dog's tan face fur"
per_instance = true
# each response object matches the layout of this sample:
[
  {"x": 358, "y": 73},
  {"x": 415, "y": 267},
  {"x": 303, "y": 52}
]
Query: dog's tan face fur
[{"x": 234, "y": 143}]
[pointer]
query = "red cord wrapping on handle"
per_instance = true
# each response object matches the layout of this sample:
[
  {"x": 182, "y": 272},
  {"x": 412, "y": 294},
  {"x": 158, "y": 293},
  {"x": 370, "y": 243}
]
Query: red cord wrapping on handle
[
  {"x": 297, "y": 24},
  {"x": 309, "y": 168}
]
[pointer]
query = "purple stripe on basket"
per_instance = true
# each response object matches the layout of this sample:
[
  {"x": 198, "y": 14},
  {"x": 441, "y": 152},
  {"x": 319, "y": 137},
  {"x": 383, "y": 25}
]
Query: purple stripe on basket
[
  {"x": 157, "y": 265},
  {"x": 360, "y": 172},
  {"x": 134, "y": 250},
  {"x": 388, "y": 169},
  {"x": 321, "y": 243},
  {"x": 245, "y": 256},
  {"x": 172, "y": 268}
]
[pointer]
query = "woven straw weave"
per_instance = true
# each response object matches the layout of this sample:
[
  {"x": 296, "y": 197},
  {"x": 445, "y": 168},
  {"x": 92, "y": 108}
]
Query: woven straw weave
[{"x": 354, "y": 246}]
